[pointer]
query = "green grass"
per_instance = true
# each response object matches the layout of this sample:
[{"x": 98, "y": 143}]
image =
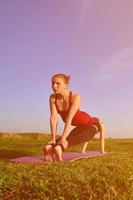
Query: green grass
[{"x": 108, "y": 177}]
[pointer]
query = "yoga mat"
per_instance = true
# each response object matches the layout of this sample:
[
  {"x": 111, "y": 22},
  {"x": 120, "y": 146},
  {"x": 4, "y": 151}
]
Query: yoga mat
[{"x": 67, "y": 156}]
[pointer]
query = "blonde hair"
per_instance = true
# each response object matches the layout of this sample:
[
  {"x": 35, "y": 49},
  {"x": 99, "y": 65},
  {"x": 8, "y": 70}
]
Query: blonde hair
[{"x": 65, "y": 77}]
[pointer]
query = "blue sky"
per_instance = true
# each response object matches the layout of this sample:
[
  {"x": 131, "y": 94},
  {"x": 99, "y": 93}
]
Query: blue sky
[{"x": 92, "y": 41}]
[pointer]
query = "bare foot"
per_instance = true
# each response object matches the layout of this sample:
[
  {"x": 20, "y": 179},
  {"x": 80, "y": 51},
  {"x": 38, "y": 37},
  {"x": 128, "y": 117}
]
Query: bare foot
[
  {"x": 58, "y": 153},
  {"x": 48, "y": 151}
]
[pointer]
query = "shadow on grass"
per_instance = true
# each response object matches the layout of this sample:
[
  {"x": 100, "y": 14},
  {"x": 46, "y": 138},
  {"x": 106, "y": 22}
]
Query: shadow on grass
[{"x": 10, "y": 154}]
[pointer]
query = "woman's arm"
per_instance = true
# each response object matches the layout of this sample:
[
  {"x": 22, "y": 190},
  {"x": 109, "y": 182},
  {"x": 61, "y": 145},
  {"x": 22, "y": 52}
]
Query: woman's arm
[
  {"x": 53, "y": 117},
  {"x": 102, "y": 137},
  {"x": 73, "y": 109}
]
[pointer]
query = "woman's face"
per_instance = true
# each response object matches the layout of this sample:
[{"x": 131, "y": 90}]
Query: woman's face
[{"x": 58, "y": 85}]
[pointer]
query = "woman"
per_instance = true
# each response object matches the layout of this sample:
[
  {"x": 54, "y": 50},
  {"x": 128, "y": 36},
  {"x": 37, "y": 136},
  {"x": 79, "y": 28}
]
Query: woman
[{"x": 67, "y": 104}]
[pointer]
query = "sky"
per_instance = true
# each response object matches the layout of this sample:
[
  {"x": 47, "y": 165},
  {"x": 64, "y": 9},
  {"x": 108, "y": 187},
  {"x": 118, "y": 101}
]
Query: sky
[{"x": 90, "y": 40}]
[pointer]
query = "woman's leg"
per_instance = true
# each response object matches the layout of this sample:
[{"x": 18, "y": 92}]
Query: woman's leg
[
  {"x": 81, "y": 134},
  {"x": 84, "y": 147},
  {"x": 58, "y": 149}
]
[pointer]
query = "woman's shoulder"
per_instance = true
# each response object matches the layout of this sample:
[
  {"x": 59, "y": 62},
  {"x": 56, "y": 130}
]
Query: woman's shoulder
[
  {"x": 74, "y": 95},
  {"x": 52, "y": 97}
]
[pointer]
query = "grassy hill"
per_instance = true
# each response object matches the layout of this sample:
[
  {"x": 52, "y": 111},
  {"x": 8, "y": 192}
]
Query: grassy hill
[
  {"x": 24, "y": 136},
  {"x": 103, "y": 178}
]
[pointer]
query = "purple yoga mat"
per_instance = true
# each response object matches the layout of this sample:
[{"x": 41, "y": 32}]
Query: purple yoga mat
[{"x": 67, "y": 156}]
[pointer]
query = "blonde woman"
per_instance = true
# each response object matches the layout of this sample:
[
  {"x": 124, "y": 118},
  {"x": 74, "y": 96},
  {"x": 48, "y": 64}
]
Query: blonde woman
[{"x": 67, "y": 104}]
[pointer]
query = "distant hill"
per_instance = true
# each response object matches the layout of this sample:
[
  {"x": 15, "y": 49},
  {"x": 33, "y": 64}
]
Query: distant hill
[{"x": 25, "y": 136}]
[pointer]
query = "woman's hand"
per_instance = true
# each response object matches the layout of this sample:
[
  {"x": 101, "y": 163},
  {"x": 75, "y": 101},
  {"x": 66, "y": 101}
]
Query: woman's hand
[
  {"x": 102, "y": 137},
  {"x": 52, "y": 141},
  {"x": 64, "y": 142}
]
